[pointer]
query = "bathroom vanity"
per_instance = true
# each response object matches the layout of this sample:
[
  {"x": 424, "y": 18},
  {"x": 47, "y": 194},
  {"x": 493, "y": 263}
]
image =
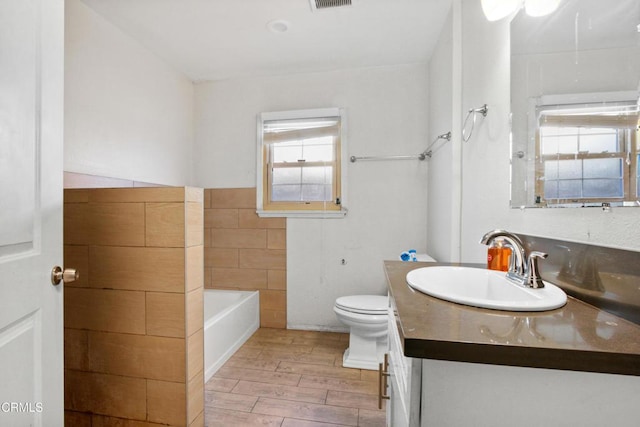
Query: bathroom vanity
[{"x": 451, "y": 364}]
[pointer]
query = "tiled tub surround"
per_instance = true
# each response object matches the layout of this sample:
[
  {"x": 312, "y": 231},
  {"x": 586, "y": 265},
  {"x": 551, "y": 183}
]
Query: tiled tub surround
[
  {"x": 607, "y": 278},
  {"x": 245, "y": 252},
  {"x": 134, "y": 319}
]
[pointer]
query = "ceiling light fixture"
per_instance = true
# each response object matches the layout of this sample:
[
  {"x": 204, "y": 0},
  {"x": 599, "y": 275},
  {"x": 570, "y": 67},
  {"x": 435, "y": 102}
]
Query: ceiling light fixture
[
  {"x": 278, "y": 26},
  {"x": 494, "y": 10}
]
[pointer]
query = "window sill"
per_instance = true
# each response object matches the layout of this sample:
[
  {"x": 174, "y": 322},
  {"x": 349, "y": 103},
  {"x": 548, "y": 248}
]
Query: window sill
[{"x": 302, "y": 214}]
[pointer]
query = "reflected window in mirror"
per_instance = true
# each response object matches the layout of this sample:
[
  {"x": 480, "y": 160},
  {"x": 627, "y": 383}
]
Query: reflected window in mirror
[
  {"x": 585, "y": 54},
  {"x": 586, "y": 155}
]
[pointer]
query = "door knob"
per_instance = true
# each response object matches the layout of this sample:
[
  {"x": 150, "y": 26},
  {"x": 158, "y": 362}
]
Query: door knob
[{"x": 67, "y": 275}]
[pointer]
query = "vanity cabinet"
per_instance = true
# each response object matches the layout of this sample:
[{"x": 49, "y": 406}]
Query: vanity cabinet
[
  {"x": 404, "y": 379},
  {"x": 452, "y": 365}
]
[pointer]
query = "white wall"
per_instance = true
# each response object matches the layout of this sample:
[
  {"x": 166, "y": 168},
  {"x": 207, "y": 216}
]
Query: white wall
[
  {"x": 443, "y": 219},
  {"x": 127, "y": 113},
  {"x": 485, "y": 159},
  {"x": 386, "y": 113}
]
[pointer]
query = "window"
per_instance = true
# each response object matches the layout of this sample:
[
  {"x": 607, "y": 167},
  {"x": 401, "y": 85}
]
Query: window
[
  {"x": 300, "y": 160},
  {"x": 587, "y": 155}
]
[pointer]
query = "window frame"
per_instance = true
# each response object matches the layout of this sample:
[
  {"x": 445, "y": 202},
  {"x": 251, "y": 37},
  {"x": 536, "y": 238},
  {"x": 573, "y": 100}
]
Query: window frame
[
  {"x": 628, "y": 149},
  {"x": 317, "y": 209}
]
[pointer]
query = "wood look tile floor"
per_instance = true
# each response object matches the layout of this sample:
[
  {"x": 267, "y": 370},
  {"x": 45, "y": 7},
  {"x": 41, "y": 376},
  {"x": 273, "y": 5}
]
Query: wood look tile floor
[{"x": 287, "y": 378}]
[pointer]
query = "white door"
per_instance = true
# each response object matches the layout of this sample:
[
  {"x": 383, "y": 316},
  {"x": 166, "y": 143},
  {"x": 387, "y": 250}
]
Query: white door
[{"x": 31, "y": 117}]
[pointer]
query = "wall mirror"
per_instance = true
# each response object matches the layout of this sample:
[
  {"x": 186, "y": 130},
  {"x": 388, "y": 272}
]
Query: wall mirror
[{"x": 575, "y": 79}]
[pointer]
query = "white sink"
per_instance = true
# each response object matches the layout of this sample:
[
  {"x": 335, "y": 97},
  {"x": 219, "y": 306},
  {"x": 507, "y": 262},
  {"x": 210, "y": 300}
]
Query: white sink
[{"x": 484, "y": 288}]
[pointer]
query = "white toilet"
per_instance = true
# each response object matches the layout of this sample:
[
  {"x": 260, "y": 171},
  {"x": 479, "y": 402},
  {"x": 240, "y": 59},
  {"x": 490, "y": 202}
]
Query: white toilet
[{"x": 366, "y": 316}]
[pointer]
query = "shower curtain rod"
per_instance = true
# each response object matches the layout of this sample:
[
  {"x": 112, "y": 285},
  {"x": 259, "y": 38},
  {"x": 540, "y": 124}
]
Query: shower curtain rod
[
  {"x": 367, "y": 158},
  {"x": 422, "y": 156}
]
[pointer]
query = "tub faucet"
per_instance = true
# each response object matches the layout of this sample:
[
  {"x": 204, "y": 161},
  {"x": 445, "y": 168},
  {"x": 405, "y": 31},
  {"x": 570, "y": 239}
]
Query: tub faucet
[{"x": 523, "y": 269}]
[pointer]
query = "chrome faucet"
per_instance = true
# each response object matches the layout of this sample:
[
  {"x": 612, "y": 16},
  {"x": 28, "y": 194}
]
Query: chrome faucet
[{"x": 523, "y": 269}]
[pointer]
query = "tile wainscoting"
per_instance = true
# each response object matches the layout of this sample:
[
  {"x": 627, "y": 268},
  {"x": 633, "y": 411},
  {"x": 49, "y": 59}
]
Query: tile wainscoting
[
  {"x": 134, "y": 320},
  {"x": 246, "y": 252}
]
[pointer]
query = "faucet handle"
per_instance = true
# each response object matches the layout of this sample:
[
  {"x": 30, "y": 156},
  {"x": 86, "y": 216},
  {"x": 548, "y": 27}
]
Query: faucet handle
[{"x": 533, "y": 279}]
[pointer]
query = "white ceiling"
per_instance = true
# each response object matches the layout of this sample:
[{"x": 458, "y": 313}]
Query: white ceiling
[
  {"x": 217, "y": 39},
  {"x": 578, "y": 25}
]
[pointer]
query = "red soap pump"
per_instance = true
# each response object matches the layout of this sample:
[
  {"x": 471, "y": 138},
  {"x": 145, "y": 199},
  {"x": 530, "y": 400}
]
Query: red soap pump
[{"x": 498, "y": 256}]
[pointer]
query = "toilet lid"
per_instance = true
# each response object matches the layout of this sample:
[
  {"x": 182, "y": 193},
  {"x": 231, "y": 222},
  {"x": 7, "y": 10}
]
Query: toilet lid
[{"x": 364, "y": 304}]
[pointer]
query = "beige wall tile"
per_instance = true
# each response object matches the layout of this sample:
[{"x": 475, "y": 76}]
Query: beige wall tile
[
  {"x": 207, "y": 237},
  {"x": 76, "y": 349},
  {"x": 273, "y": 319},
  {"x": 102, "y": 421},
  {"x": 233, "y": 198},
  {"x": 194, "y": 194},
  {"x": 277, "y": 279},
  {"x": 195, "y": 311},
  {"x": 195, "y": 353},
  {"x": 165, "y": 225},
  {"x": 76, "y": 196},
  {"x": 195, "y": 397},
  {"x": 166, "y": 402},
  {"x": 221, "y": 257},
  {"x": 207, "y": 277},
  {"x": 273, "y": 300},
  {"x": 277, "y": 239},
  {"x": 207, "y": 198},
  {"x": 152, "y": 269},
  {"x": 139, "y": 356},
  {"x": 165, "y": 314},
  {"x": 127, "y": 195},
  {"x": 195, "y": 224},
  {"x": 248, "y": 218},
  {"x": 272, "y": 259},
  {"x": 105, "y": 394},
  {"x": 77, "y": 419},
  {"x": 116, "y": 224},
  {"x": 198, "y": 421},
  {"x": 194, "y": 273},
  {"x": 225, "y": 288},
  {"x": 240, "y": 238},
  {"x": 240, "y": 278},
  {"x": 104, "y": 310},
  {"x": 221, "y": 218},
  {"x": 77, "y": 257},
  {"x": 76, "y": 223}
]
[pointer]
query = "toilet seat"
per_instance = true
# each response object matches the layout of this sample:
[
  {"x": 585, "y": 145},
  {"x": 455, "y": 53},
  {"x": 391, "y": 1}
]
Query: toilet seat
[{"x": 363, "y": 304}]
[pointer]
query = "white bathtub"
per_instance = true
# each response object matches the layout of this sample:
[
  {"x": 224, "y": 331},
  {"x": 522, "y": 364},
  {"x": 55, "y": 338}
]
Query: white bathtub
[{"x": 230, "y": 318}]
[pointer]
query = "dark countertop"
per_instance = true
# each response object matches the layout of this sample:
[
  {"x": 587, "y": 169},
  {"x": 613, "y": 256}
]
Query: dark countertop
[{"x": 576, "y": 337}]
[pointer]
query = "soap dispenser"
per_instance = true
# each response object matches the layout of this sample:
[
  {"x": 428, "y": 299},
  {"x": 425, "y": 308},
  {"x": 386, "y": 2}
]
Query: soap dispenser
[{"x": 498, "y": 255}]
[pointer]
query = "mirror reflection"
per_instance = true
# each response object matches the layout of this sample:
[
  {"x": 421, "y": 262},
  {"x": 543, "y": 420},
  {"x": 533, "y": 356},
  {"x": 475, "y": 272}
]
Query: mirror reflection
[{"x": 575, "y": 79}]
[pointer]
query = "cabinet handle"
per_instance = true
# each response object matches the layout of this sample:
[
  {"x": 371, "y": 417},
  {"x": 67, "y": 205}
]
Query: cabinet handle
[{"x": 383, "y": 374}]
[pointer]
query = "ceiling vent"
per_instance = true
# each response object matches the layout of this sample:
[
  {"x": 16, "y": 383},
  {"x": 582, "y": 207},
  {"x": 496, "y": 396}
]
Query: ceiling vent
[{"x": 327, "y": 4}]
